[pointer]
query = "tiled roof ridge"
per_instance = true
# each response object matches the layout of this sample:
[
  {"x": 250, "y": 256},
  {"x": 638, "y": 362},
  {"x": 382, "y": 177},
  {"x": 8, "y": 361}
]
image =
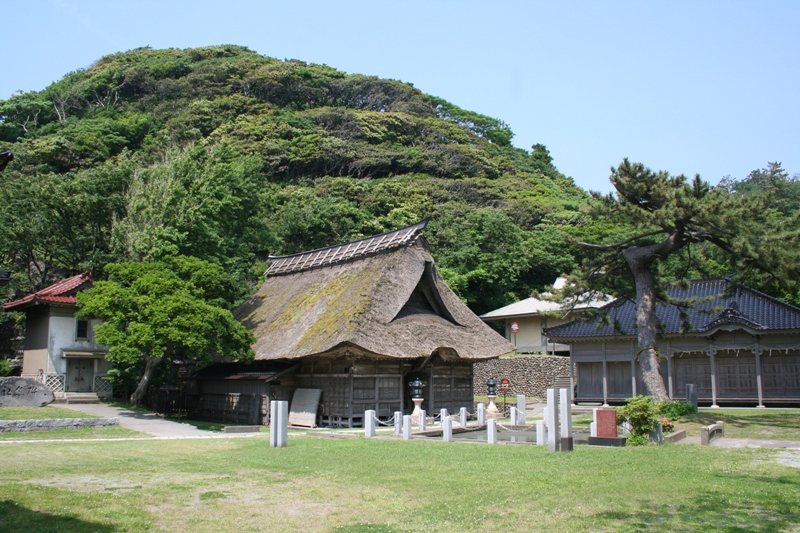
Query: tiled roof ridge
[
  {"x": 347, "y": 251},
  {"x": 58, "y": 292}
]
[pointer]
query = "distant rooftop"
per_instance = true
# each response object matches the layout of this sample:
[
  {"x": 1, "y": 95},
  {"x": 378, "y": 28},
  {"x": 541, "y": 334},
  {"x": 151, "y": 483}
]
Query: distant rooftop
[
  {"x": 289, "y": 264},
  {"x": 535, "y": 306},
  {"x": 62, "y": 292}
]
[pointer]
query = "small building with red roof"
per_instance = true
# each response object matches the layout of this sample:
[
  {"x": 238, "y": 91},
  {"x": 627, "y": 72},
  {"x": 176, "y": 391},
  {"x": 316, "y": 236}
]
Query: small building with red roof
[{"x": 60, "y": 349}]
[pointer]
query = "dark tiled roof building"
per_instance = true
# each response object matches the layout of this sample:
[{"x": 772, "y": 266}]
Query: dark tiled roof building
[{"x": 736, "y": 344}]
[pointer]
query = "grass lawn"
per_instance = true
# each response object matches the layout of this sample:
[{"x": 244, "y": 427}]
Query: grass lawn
[
  {"x": 358, "y": 485},
  {"x": 47, "y": 412},
  {"x": 781, "y": 424},
  {"x": 106, "y": 432},
  {"x": 39, "y": 413}
]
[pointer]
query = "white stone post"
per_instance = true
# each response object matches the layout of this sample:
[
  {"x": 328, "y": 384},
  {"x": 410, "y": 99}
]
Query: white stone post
[
  {"x": 566, "y": 420},
  {"x": 369, "y": 423},
  {"x": 447, "y": 429},
  {"x": 552, "y": 420},
  {"x": 278, "y": 423},
  {"x": 491, "y": 432},
  {"x": 423, "y": 422},
  {"x": 398, "y": 422},
  {"x": 520, "y": 421},
  {"x": 407, "y": 427},
  {"x": 442, "y": 415},
  {"x": 593, "y": 425},
  {"x": 481, "y": 414},
  {"x": 512, "y": 415},
  {"x": 541, "y": 433}
]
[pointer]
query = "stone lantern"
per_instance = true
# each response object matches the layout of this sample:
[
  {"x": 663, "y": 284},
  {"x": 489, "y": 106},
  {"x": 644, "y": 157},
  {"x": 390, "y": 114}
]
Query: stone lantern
[
  {"x": 416, "y": 396},
  {"x": 491, "y": 392}
]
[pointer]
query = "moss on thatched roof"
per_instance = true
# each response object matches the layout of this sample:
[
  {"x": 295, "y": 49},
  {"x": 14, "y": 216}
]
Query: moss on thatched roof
[{"x": 392, "y": 303}]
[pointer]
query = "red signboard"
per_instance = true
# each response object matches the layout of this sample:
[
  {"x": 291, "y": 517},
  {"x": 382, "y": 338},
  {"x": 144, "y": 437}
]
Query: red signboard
[
  {"x": 514, "y": 327},
  {"x": 505, "y": 385}
]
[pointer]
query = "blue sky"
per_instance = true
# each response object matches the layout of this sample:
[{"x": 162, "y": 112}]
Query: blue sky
[{"x": 689, "y": 87}]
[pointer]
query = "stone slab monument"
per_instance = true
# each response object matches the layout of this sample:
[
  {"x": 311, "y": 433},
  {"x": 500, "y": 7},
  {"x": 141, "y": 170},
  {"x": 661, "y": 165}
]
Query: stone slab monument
[
  {"x": 606, "y": 426},
  {"x": 24, "y": 392}
]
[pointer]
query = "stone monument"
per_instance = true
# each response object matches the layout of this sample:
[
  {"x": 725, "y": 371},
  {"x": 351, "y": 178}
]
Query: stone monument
[{"x": 24, "y": 392}]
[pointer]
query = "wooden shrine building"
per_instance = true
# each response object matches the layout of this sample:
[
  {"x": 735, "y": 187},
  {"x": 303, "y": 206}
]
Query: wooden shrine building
[
  {"x": 360, "y": 320},
  {"x": 737, "y": 345}
]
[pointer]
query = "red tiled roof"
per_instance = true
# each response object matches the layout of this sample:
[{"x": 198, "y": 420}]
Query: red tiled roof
[{"x": 62, "y": 292}]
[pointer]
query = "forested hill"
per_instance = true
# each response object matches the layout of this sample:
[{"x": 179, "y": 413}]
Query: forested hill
[{"x": 227, "y": 155}]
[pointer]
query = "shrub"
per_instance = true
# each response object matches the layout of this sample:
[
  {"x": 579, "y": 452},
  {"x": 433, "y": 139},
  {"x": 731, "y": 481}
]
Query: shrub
[
  {"x": 673, "y": 410},
  {"x": 642, "y": 414}
]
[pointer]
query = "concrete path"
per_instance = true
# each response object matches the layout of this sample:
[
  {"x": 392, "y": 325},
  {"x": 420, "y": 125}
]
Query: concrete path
[
  {"x": 149, "y": 423},
  {"x": 725, "y": 442}
]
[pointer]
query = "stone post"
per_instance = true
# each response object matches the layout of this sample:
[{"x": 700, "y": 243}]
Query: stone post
[
  {"x": 279, "y": 424},
  {"x": 369, "y": 423},
  {"x": 398, "y": 422},
  {"x": 552, "y": 420},
  {"x": 520, "y": 420},
  {"x": 447, "y": 429},
  {"x": 423, "y": 422},
  {"x": 407, "y": 427},
  {"x": 541, "y": 433},
  {"x": 491, "y": 432},
  {"x": 566, "y": 420},
  {"x": 512, "y": 415},
  {"x": 442, "y": 415},
  {"x": 691, "y": 394},
  {"x": 481, "y": 414},
  {"x": 462, "y": 417}
]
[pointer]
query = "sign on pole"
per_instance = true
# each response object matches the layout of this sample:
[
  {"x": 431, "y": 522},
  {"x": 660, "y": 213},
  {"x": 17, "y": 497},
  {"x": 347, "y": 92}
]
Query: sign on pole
[{"x": 514, "y": 327}]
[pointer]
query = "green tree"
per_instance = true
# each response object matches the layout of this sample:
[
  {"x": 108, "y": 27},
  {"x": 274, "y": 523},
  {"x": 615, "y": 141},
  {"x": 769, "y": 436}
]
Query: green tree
[
  {"x": 158, "y": 312},
  {"x": 664, "y": 215}
]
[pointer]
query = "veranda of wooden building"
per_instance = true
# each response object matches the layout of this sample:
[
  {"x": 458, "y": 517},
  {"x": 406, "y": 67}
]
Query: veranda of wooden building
[
  {"x": 359, "y": 321},
  {"x": 737, "y": 345}
]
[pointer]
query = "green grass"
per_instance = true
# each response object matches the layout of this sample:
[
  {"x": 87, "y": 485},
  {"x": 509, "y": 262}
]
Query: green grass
[
  {"x": 105, "y": 432},
  {"x": 39, "y": 413},
  {"x": 358, "y": 485},
  {"x": 781, "y": 424}
]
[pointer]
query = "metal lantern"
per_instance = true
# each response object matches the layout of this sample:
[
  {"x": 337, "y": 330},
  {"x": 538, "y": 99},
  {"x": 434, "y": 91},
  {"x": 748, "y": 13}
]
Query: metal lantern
[
  {"x": 416, "y": 387},
  {"x": 491, "y": 387}
]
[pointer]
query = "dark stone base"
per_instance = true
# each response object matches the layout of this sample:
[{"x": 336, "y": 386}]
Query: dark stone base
[
  {"x": 607, "y": 441},
  {"x": 567, "y": 444}
]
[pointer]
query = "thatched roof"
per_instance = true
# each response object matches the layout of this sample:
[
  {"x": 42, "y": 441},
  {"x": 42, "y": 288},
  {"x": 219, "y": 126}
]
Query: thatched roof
[{"x": 388, "y": 302}]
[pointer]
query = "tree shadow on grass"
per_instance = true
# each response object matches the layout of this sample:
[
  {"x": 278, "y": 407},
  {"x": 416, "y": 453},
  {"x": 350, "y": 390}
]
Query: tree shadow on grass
[
  {"x": 765, "y": 422},
  {"x": 759, "y": 511},
  {"x": 15, "y": 517}
]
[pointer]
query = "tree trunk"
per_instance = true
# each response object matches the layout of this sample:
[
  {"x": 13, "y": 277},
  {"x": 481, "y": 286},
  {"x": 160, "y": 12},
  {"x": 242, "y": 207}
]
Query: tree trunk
[
  {"x": 141, "y": 389},
  {"x": 646, "y": 323}
]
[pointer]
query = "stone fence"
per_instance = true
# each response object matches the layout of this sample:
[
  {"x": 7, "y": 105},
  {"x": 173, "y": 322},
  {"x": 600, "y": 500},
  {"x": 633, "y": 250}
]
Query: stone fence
[
  {"x": 11, "y": 426},
  {"x": 530, "y": 376}
]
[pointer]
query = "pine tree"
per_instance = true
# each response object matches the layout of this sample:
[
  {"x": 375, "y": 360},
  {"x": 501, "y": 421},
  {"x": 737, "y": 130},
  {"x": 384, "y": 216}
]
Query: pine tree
[{"x": 663, "y": 215}]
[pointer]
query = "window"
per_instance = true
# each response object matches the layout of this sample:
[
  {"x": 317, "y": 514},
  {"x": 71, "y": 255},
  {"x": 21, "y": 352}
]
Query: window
[{"x": 82, "y": 330}]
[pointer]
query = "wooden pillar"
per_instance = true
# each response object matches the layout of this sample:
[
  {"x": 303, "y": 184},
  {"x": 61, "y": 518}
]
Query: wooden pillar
[
  {"x": 757, "y": 352},
  {"x": 402, "y": 390},
  {"x": 430, "y": 384},
  {"x": 572, "y": 377},
  {"x": 605, "y": 378},
  {"x": 670, "y": 370},
  {"x": 711, "y": 352}
]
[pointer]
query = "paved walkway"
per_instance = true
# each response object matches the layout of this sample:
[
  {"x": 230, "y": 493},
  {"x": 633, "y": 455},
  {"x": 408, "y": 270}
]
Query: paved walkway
[{"x": 144, "y": 422}]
